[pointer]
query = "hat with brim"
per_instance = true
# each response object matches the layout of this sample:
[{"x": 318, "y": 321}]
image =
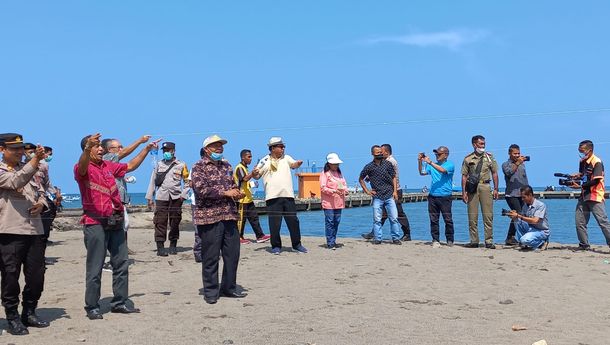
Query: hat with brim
[
  {"x": 12, "y": 140},
  {"x": 29, "y": 146},
  {"x": 333, "y": 158},
  {"x": 168, "y": 145},
  {"x": 213, "y": 139},
  {"x": 275, "y": 141}
]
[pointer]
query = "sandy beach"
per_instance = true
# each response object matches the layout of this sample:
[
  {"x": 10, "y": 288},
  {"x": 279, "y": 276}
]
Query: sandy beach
[{"x": 358, "y": 294}]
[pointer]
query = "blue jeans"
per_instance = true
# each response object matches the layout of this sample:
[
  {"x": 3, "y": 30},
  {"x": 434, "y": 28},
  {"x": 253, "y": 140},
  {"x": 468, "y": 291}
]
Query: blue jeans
[
  {"x": 530, "y": 236},
  {"x": 390, "y": 207},
  {"x": 331, "y": 222}
]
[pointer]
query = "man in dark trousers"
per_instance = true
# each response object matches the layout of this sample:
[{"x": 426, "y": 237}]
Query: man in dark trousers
[
  {"x": 169, "y": 186},
  {"x": 103, "y": 223},
  {"x": 246, "y": 208},
  {"x": 215, "y": 215},
  {"x": 21, "y": 233}
]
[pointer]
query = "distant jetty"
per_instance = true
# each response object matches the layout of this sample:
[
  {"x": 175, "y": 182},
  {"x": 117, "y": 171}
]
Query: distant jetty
[{"x": 353, "y": 200}]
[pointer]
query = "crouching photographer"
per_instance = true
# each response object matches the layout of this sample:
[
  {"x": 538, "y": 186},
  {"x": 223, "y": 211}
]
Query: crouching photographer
[{"x": 531, "y": 224}]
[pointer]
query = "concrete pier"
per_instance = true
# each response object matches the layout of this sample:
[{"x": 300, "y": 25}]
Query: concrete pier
[{"x": 354, "y": 200}]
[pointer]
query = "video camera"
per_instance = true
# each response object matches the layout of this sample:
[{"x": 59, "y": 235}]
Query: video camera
[
  {"x": 505, "y": 212},
  {"x": 567, "y": 180}
]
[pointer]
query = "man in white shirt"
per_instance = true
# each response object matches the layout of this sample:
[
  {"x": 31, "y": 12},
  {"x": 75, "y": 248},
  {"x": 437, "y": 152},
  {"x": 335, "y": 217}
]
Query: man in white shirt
[{"x": 275, "y": 169}]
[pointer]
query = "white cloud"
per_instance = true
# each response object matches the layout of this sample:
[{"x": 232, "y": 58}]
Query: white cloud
[{"x": 452, "y": 39}]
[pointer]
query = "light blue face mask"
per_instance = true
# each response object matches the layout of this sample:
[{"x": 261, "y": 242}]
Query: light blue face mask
[
  {"x": 582, "y": 155},
  {"x": 31, "y": 155},
  {"x": 48, "y": 159},
  {"x": 168, "y": 155},
  {"x": 216, "y": 156}
]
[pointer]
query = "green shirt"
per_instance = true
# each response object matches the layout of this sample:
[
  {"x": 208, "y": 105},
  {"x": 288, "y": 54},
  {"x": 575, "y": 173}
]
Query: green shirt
[{"x": 469, "y": 165}]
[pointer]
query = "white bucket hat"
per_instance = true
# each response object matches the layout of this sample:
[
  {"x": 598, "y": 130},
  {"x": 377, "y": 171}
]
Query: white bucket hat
[{"x": 333, "y": 158}]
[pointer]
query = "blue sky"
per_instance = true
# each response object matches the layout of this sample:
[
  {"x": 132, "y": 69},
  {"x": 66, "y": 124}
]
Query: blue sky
[{"x": 325, "y": 75}]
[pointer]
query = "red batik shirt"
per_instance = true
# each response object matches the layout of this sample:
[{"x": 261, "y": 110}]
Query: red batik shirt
[{"x": 99, "y": 193}]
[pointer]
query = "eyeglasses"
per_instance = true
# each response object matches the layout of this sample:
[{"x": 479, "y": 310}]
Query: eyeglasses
[
  {"x": 116, "y": 147},
  {"x": 440, "y": 153},
  {"x": 280, "y": 146}
]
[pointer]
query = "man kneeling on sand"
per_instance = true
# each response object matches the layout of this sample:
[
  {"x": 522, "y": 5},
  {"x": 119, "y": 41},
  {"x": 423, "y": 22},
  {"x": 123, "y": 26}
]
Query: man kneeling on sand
[{"x": 532, "y": 223}]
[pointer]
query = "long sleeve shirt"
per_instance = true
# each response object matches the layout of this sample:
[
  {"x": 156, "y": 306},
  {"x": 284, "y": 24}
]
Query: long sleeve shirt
[
  {"x": 18, "y": 193},
  {"x": 210, "y": 180},
  {"x": 174, "y": 186},
  {"x": 330, "y": 183}
]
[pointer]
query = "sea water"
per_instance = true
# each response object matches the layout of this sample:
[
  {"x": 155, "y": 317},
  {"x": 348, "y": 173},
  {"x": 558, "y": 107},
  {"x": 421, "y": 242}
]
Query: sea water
[{"x": 357, "y": 220}]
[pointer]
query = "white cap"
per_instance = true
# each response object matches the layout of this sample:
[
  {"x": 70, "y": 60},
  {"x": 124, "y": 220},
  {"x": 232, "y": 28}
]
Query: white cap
[
  {"x": 213, "y": 139},
  {"x": 275, "y": 141},
  {"x": 333, "y": 158}
]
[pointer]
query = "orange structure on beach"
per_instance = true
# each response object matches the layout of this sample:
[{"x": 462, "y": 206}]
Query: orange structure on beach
[{"x": 309, "y": 185}]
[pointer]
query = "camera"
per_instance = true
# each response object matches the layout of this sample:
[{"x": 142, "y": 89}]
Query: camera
[
  {"x": 526, "y": 158},
  {"x": 567, "y": 180},
  {"x": 505, "y": 212},
  {"x": 423, "y": 154}
]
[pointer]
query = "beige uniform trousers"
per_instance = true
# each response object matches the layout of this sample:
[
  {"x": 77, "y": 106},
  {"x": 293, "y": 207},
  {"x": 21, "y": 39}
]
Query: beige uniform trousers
[{"x": 483, "y": 197}]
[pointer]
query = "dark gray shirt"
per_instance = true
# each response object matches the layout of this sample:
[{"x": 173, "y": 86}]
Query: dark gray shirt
[
  {"x": 381, "y": 178},
  {"x": 514, "y": 180}
]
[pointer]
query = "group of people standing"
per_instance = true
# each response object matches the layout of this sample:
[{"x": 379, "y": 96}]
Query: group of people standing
[
  {"x": 222, "y": 202},
  {"x": 529, "y": 226}
]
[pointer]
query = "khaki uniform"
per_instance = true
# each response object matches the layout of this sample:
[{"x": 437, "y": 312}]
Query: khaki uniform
[
  {"x": 21, "y": 240},
  {"x": 483, "y": 196},
  {"x": 168, "y": 199},
  {"x": 18, "y": 192}
]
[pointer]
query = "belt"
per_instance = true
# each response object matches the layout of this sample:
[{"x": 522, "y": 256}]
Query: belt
[{"x": 485, "y": 182}]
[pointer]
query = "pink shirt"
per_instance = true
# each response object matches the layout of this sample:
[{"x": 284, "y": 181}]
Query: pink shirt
[
  {"x": 330, "y": 182},
  {"x": 99, "y": 193}
]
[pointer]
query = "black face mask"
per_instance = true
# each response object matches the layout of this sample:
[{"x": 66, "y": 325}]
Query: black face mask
[{"x": 378, "y": 157}]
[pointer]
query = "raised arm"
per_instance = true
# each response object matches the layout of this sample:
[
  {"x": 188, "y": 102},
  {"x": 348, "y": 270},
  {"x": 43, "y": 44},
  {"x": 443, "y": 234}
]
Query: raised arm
[
  {"x": 85, "y": 157},
  {"x": 129, "y": 149},
  {"x": 137, "y": 160},
  {"x": 18, "y": 179}
]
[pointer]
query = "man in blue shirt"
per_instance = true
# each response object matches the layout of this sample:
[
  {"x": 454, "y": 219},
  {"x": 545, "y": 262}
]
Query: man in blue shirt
[
  {"x": 384, "y": 191},
  {"x": 439, "y": 199},
  {"x": 532, "y": 223}
]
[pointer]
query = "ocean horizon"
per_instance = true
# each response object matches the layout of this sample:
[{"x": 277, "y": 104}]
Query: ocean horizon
[{"x": 357, "y": 220}]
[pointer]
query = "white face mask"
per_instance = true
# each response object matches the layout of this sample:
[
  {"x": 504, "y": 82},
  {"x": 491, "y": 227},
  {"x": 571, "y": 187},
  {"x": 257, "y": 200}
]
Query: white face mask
[{"x": 480, "y": 150}]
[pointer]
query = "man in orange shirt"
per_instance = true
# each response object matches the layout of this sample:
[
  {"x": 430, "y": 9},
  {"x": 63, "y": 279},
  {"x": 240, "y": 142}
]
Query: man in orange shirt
[{"x": 591, "y": 171}]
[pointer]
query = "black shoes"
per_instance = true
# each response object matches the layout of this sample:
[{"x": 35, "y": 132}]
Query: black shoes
[
  {"x": 213, "y": 300},
  {"x": 368, "y": 235},
  {"x": 396, "y": 242},
  {"x": 511, "y": 241},
  {"x": 123, "y": 309},
  {"x": 30, "y": 319},
  {"x": 233, "y": 294},
  {"x": 161, "y": 249},
  {"x": 406, "y": 238},
  {"x": 16, "y": 327},
  {"x": 376, "y": 242},
  {"x": 490, "y": 246},
  {"x": 172, "y": 248},
  {"x": 471, "y": 245},
  {"x": 94, "y": 314},
  {"x": 583, "y": 247}
]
